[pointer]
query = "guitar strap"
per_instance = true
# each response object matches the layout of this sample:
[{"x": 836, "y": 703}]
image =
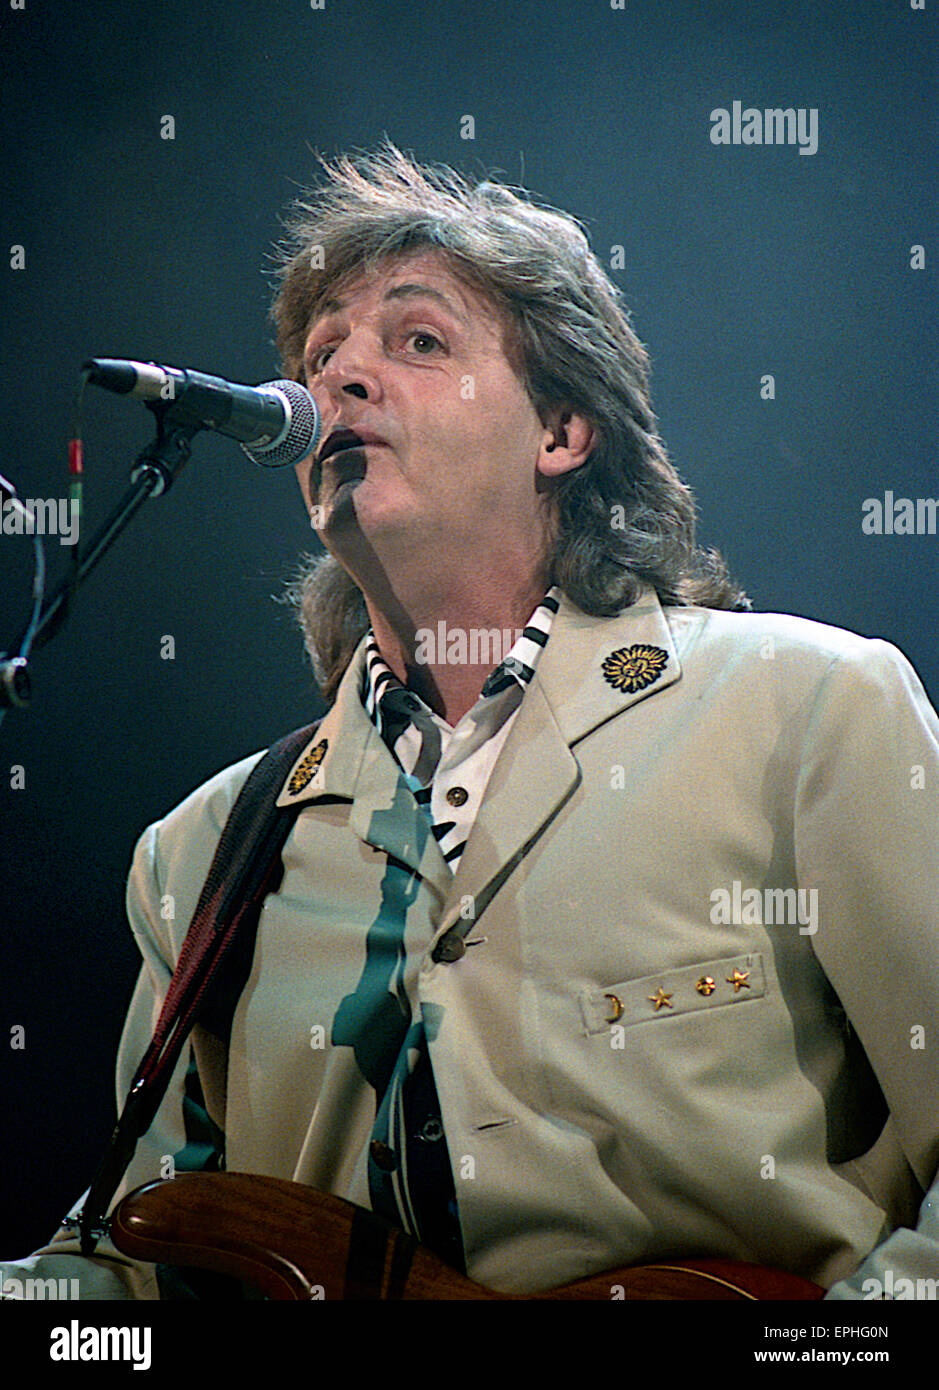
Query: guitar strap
[{"x": 214, "y": 962}]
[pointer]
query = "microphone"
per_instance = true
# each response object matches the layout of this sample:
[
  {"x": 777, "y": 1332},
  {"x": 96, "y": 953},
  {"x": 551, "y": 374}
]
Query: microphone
[{"x": 276, "y": 423}]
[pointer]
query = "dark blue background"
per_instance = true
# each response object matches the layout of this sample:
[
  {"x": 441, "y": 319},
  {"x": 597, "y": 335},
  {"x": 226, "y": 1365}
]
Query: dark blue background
[{"x": 739, "y": 261}]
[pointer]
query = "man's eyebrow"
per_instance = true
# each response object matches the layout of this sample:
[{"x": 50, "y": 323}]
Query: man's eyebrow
[
  {"x": 408, "y": 291},
  {"x": 414, "y": 291}
]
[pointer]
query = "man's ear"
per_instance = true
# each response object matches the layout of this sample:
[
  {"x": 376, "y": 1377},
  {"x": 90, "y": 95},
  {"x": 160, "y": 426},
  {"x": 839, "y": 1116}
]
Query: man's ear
[{"x": 566, "y": 443}]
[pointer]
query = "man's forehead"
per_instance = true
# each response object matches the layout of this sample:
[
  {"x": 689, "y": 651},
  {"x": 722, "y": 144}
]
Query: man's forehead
[{"x": 404, "y": 277}]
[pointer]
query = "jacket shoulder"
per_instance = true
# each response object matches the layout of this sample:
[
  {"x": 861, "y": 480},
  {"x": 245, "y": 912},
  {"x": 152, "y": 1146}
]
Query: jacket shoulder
[
  {"x": 212, "y": 801},
  {"x": 174, "y": 854},
  {"x": 793, "y": 660},
  {"x": 812, "y": 645}
]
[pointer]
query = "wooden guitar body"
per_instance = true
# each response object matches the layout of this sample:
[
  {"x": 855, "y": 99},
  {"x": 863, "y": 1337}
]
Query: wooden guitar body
[{"x": 292, "y": 1242}]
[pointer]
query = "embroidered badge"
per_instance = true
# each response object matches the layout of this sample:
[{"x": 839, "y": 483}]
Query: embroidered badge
[
  {"x": 305, "y": 770},
  {"x": 633, "y": 668}
]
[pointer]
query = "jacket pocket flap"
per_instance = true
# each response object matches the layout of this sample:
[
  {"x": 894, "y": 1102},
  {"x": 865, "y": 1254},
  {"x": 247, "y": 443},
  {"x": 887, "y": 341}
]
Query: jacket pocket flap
[{"x": 709, "y": 985}]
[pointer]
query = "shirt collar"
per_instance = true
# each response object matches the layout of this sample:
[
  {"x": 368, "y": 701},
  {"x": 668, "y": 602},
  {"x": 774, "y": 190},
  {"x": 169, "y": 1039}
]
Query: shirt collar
[{"x": 382, "y": 691}]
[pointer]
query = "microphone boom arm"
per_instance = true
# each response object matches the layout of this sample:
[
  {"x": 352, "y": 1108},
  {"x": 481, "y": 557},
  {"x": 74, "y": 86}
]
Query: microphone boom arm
[{"x": 153, "y": 473}]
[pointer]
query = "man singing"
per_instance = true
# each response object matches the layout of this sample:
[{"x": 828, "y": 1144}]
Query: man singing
[{"x": 608, "y": 925}]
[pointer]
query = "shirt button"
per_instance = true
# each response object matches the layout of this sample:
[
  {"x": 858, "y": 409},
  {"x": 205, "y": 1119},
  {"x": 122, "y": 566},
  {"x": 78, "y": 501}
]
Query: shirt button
[
  {"x": 384, "y": 1158},
  {"x": 457, "y": 796},
  {"x": 449, "y": 948},
  {"x": 432, "y": 1129}
]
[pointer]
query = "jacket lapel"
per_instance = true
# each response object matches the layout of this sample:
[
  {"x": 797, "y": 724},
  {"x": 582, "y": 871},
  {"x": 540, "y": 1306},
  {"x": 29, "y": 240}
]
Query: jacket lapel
[
  {"x": 591, "y": 670},
  {"x": 602, "y": 666},
  {"x": 347, "y": 759}
]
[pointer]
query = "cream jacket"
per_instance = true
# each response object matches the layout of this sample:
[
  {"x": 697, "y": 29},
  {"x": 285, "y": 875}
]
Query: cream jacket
[{"x": 689, "y": 960}]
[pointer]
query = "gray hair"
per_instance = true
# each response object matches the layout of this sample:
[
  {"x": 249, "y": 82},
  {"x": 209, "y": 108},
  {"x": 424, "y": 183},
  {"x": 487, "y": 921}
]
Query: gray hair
[{"x": 624, "y": 518}]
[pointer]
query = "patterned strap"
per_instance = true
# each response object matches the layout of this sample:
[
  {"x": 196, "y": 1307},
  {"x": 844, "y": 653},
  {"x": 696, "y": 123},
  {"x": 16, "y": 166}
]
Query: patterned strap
[{"x": 215, "y": 959}]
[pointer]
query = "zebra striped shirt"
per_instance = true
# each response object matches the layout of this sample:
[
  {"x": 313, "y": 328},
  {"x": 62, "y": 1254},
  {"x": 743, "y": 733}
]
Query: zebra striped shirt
[{"x": 448, "y": 768}]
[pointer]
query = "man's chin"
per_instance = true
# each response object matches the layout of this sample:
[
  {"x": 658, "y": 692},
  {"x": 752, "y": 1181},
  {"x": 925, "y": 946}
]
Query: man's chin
[{"x": 356, "y": 516}]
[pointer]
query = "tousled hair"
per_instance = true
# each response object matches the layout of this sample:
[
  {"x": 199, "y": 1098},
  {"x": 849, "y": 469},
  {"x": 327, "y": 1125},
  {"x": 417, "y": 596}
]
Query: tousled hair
[{"x": 624, "y": 518}]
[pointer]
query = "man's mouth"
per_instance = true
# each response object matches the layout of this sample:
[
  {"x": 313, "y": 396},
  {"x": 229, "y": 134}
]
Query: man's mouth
[
  {"x": 343, "y": 439},
  {"x": 344, "y": 450}
]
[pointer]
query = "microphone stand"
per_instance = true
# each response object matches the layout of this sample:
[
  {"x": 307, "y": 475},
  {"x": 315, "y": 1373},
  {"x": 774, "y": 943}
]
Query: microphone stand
[{"x": 152, "y": 475}]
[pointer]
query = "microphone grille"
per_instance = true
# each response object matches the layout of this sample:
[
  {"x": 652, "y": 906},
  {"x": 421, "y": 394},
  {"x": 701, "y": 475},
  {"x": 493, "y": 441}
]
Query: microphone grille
[{"x": 298, "y": 437}]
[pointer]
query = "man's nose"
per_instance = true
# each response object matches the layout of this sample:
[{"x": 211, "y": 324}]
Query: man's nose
[{"x": 353, "y": 370}]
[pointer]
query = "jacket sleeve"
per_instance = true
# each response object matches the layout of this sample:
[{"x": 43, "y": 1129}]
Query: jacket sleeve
[
  {"x": 109, "y": 1274},
  {"x": 867, "y": 836}
]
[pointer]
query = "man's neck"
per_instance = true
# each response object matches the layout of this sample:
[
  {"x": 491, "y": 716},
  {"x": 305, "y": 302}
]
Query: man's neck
[{"x": 428, "y": 643}]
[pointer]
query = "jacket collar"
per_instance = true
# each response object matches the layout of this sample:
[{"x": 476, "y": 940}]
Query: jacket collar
[
  {"x": 591, "y": 670},
  {"x": 599, "y": 667}
]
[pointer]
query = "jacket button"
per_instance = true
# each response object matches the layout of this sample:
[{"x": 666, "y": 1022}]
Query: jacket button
[
  {"x": 384, "y": 1158},
  {"x": 457, "y": 796},
  {"x": 432, "y": 1129},
  {"x": 449, "y": 948}
]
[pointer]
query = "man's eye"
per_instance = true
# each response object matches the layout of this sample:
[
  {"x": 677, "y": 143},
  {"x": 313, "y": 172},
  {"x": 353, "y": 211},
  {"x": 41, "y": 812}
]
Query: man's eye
[
  {"x": 421, "y": 339},
  {"x": 319, "y": 359},
  {"x": 424, "y": 345}
]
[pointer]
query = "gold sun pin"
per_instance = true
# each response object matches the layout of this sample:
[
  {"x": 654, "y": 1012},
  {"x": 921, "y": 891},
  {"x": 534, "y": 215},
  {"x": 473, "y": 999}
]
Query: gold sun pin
[
  {"x": 305, "y": 770},
  {"x": 633, "y": 668}
]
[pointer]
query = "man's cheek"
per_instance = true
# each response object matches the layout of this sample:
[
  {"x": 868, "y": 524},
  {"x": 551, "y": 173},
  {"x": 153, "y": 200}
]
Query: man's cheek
[{"x": 308, "y": 480}]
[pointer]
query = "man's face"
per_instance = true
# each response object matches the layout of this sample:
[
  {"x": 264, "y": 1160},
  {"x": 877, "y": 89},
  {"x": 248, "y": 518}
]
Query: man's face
[{"x": 411, "y": 361}]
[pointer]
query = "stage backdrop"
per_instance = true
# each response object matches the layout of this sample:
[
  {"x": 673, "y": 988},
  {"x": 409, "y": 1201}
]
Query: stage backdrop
[{"x": 786, "y": 292}]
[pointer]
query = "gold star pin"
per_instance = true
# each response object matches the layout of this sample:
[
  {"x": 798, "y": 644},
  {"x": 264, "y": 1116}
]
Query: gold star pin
[
  {"x": 305, "y": 770},
  {"x": 739, "y": 980},
  {"x": 633, "y": 668},
  {"x": 660, "y": 999}
]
